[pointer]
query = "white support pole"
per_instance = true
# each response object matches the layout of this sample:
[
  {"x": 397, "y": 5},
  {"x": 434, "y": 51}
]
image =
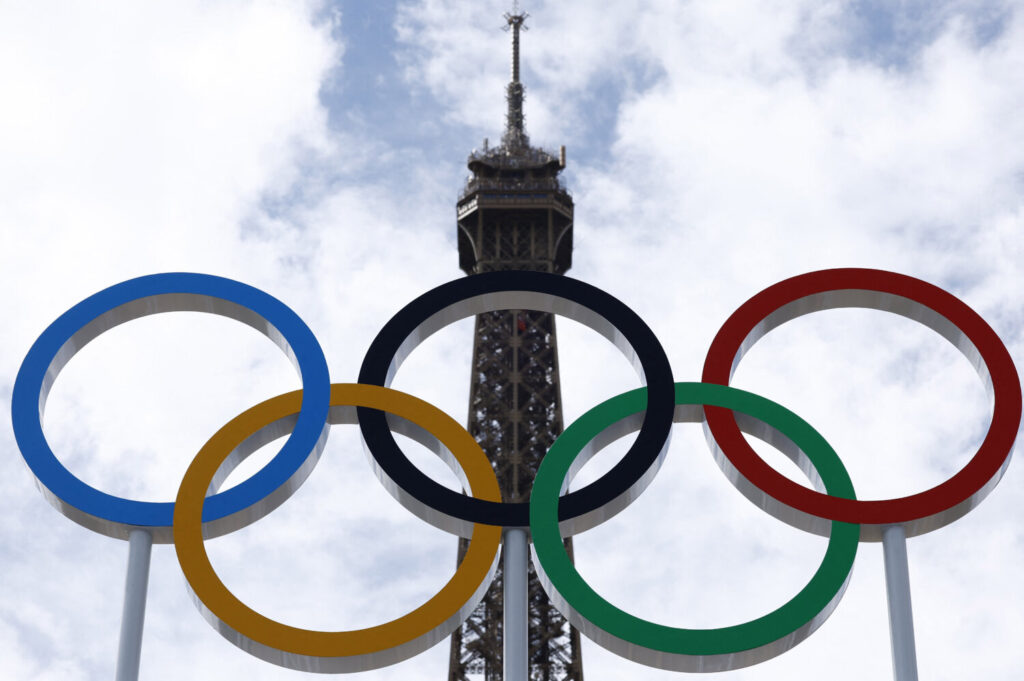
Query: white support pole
[
  {"x": 897, "y": 591},
  {"x": 514, "y": 570},
  {"x": 129, "y": 651}
]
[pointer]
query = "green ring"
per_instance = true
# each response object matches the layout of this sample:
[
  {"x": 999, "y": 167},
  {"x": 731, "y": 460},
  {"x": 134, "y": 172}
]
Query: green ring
[{"x": 674, "y": 648}]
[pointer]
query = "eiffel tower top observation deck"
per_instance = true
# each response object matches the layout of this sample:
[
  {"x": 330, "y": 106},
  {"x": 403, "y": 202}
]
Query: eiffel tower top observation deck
[{"x": 519, "y": 177}]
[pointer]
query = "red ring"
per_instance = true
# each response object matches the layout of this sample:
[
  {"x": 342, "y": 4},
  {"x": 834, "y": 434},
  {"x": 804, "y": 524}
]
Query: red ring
[{"x": 928, "y": 304}]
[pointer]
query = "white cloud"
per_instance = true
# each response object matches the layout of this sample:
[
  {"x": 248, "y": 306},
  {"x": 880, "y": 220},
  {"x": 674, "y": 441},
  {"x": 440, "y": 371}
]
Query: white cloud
[{"x": 735, "y": 144}]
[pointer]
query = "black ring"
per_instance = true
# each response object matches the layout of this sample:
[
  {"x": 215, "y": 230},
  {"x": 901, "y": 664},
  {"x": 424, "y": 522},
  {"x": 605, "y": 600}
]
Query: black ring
[{"x": 517, "y": 290}]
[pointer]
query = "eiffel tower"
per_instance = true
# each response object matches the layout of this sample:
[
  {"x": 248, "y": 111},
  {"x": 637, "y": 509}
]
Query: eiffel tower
[{"x": 515, "y": 214}]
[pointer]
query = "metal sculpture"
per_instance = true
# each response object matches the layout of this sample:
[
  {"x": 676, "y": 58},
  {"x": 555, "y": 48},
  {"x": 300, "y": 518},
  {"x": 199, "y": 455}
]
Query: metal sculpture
[{"x": 304, "y": 417}]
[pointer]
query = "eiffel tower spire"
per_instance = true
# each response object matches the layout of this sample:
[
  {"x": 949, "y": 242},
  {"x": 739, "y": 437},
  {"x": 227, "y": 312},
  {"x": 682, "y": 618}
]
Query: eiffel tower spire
[{"x": 515, "y": 127}]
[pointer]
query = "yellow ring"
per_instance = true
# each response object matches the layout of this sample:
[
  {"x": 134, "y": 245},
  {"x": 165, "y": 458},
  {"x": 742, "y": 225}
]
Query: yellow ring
[{"x": 335, "y": 651}]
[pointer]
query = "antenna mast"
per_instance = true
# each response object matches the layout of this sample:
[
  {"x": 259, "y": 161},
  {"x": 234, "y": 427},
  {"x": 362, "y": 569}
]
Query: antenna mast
[{"x": 515, "y": 129}]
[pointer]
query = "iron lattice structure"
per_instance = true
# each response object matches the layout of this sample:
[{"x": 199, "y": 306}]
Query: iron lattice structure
[{"x": 514, "y": 214}]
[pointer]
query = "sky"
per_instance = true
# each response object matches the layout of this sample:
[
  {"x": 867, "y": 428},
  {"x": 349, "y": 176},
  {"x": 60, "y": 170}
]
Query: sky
[{"x": 316, "y": 149}]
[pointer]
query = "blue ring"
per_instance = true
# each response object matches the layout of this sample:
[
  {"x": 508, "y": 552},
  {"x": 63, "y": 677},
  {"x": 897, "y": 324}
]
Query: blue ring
[{"x": 116, "y": 516}]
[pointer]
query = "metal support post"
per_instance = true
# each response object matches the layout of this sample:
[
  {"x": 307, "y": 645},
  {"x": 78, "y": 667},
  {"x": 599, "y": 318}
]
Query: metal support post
[
  {"x": 516, "y": 652},
  {"x": 897, "y": 590},
  {"x": 129, "y": 652}
]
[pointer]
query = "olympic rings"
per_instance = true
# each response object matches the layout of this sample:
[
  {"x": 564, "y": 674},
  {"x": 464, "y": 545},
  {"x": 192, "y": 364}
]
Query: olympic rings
[
  {"x": 580, "y": 510},
  {"x": 903, "y": 295},
  {"x": 305, "y": 416},
  {"x": 240, "y": 505},
  {"x": 339, "y": 651},
  {"x": 690, "y": 650}
]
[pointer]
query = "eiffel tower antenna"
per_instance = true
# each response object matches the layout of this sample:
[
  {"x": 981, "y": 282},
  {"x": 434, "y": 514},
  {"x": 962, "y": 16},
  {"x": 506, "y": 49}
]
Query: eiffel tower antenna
[{"x": 515, "y": 126}]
